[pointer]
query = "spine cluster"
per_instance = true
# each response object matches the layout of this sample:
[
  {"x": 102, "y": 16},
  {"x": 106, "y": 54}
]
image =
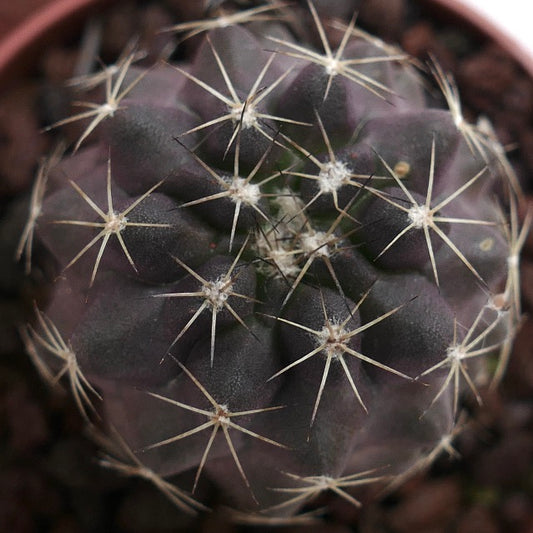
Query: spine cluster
[{"x": 279, "y": 268}]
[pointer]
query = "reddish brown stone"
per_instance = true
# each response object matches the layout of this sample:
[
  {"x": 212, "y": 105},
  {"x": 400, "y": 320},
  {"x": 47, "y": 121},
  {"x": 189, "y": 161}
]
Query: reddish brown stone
[
  {"x": 431, "y": 506},
  {"x": 476, "y": 520}
]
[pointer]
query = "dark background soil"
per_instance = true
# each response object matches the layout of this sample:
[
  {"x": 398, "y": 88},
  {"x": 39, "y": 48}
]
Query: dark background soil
[{"x": 49, "y": 478}]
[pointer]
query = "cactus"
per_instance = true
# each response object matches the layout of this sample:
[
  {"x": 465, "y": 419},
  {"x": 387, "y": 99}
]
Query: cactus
[{"x": 279, "y": 267}]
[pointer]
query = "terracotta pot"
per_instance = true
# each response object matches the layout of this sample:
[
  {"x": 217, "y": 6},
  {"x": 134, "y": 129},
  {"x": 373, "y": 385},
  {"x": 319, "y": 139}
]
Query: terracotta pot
[
  {"x": 457, "y": 11},
  {"x": 35, "y": 23},
  {"x": 19, "y": 47},
  {"x": 38, "y": 22}
]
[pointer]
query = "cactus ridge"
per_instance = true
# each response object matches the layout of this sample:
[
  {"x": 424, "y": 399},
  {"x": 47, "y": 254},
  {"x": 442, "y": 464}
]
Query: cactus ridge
[{"x": 279, "y": 268}]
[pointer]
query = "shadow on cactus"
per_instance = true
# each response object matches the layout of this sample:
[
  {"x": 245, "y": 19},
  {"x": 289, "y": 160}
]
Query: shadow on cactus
[{"x": 278, "y": 269}]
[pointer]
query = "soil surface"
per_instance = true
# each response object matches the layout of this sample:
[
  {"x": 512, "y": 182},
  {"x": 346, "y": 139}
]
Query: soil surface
[{"x": 49, "y": 476}]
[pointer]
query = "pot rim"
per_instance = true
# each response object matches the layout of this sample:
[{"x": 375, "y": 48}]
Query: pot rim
[
  {"x": 16, "y": 46},
  {"x": 488, "y": 28}
]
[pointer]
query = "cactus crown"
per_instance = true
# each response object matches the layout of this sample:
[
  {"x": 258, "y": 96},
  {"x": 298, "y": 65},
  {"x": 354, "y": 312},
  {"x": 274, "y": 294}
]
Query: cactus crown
[{"x": 279, "y": 267}]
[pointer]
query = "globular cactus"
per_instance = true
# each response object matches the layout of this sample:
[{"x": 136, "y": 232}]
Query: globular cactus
[{"x": 279, "y": 266}]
